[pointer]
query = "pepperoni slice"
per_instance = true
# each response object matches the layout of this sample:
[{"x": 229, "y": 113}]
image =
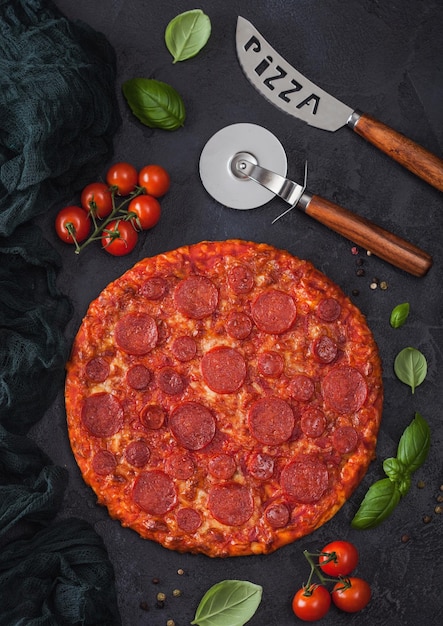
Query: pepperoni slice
[
  {"x": 137, "y": 453},
  {"x": 240, "y": 279},
  {"x": 261, "y": 466},
  {"x": 138, "y": 377},
  {"x": 184, "y": 348},
  {"x": 97, "y": 369},
  {"x": 223, "y": 369},
  {"x": 196, "y": 297},
  {"x": 301, "y": 387},
  {"x": 192, "y": 425},
  {"x": 238, "y": 325},
  {"x": 188, "y": 520},
  {"x": 277, "y": 515},
  {"x": 325, "y": 349},
  {"x": 170, "y": 381},
  {"x": 136, "y": 333},
  {"x": 345, "y": 439},
  {"x": 231, "y": 504},
  {"x": 328, "y": 310},
  {"x": 104, "y": 463},
  {"x": 271, "y": 421},
  {"x": 344, "y": 389},
  {"x": 154, "y": 492},
  {"x": 274, "y": 311},
  {"x": 180, "y": 466},
  {"x": 152, "y": 416},
  {"x": 222, "y": 466},
  {"x": 271, "y": 364},
  {"x": 102, "y": 414},
  {"x": 313, "y": 422},
  {"x": 154, "y": 288},
  {"x": 305, "y": 480}
]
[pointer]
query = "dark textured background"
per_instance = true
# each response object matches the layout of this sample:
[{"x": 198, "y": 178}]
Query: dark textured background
[{"x": 385, "y": 58}]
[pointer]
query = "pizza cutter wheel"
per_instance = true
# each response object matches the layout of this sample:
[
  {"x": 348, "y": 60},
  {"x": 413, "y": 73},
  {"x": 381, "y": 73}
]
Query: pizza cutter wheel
[{"x": 243, "y": 166}]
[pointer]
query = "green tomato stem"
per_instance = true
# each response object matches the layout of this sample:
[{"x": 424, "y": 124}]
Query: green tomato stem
[
  {"x": 117, "y": 211},
  {"x": 315, "y": 569}
]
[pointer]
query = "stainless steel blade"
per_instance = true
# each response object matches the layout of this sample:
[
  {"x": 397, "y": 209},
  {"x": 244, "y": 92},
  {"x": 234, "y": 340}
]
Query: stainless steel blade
[{"x": 283, "y": 85}]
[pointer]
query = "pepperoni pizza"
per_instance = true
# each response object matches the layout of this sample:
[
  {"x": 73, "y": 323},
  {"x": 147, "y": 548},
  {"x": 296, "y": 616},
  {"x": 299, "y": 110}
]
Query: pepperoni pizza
[{"x": 223, "y": 398}]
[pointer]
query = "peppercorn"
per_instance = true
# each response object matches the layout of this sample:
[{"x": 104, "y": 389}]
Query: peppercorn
[
  {"x": 373, "y": 285},
  {"x": 405, "y": 538},
  {"x": 176, "y": 593},
  {"x": 360, "y": 272},
  {"x": 180, "y": 572},
  {"x": 427, "y": 519},
  {"x": 155, "y": 581},
  {"x": 170, "y": 622},
  {"x": 421, "y": 484},
  {"x": 438, "y": 509},
  {"x": 161, "y": 597},
  {"x": 383, "y": 285}
]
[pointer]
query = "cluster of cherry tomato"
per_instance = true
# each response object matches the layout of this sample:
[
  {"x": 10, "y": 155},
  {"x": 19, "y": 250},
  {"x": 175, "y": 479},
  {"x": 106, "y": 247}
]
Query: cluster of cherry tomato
[
  {"x": 116, "y": 226},
  {"x": 332, "y": 565}
]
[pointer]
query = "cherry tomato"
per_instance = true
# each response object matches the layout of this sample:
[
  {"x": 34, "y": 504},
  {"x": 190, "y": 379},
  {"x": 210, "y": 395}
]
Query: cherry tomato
[
  {"x": 155, "y": 179},
  {"x": 344, "y": 558},
  {"x": 124, "y": 176},
  {"x": 311, "y": 604},
  {"x": 147, "y": 209},
  {"x": 351, "y": 594},
  {"x": 119, "y": 238},
  {"x": 72, "y": 220},
  {"x": 98, "y": 198}
]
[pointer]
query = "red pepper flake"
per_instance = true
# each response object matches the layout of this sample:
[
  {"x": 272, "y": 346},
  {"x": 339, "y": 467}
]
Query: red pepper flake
[{"x": 354, "y": 250}]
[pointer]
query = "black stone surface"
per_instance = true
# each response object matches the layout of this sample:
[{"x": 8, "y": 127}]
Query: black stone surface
[{"x": 385, "y": 58}]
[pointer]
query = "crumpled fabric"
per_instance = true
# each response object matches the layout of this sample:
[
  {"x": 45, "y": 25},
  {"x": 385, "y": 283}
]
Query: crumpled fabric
[
  {"x": 60, "y": 576},
  {"x": 31, "y": 487},
  {"x": 58, "y": 108},
  {"x": 33, "y": 314},
  {"x": 58, "y": 115}
]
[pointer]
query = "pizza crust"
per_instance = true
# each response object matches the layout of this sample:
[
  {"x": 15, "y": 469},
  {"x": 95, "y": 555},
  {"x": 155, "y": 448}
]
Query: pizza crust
[{"x": 223, "y": 398}]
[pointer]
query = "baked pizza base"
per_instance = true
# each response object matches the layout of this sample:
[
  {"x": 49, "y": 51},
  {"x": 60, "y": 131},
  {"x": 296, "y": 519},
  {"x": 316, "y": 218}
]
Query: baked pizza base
[{"x": 223, "y": 398}]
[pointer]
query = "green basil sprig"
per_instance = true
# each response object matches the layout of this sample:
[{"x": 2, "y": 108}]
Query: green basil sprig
[
  {"x": 154, "y": 103},
  {"x": 410, "y": 366},
  {"x": 399, "y": 315},
  {"x": 231, "y": 602},
  {"x": 384, "y": 495},
  {"x": 187, "y": 34}
]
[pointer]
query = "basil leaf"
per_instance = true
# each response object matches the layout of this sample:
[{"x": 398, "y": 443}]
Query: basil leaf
[
  {"x": 399, "y": 315},
  {"x": 414, "y": 444},
  {"x": 394, "y": 469},
  {"x": 410, "y": 366},
  {"x": 231, "y": 602},
  {"x": 155, "y": 104},
  {"x": 187, "y": 34},
  {"x": 380, "y": 500}
]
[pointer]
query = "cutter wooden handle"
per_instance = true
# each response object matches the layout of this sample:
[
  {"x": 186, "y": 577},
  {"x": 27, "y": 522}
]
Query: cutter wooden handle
[
  {"x": 363, "y": 232},
  {"x": 403, "y": 150}
]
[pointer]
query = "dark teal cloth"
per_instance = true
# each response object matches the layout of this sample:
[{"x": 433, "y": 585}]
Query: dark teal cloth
[
  {"x": 33, "y": 314},
  {"x": 59, "y": 576},
  {"x": 58, "y": 115},
  {"x": 58, "y": 108}
]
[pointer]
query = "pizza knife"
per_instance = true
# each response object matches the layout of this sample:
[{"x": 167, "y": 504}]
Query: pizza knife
[
  {"x": 293, "y": 93},
  {"x": 243, "y": 166}
]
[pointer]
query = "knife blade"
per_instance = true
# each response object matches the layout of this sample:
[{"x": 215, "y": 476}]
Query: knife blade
[{"x": 293, "y": 93}]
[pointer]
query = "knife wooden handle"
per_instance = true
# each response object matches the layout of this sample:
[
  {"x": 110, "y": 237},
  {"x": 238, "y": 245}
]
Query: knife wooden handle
[
  {"x": 403, "y": 150},
  {"x": 363, "y": 232}
]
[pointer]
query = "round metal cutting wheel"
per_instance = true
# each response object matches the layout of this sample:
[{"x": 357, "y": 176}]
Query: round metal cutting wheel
[{"x": 220, "y": 177}]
